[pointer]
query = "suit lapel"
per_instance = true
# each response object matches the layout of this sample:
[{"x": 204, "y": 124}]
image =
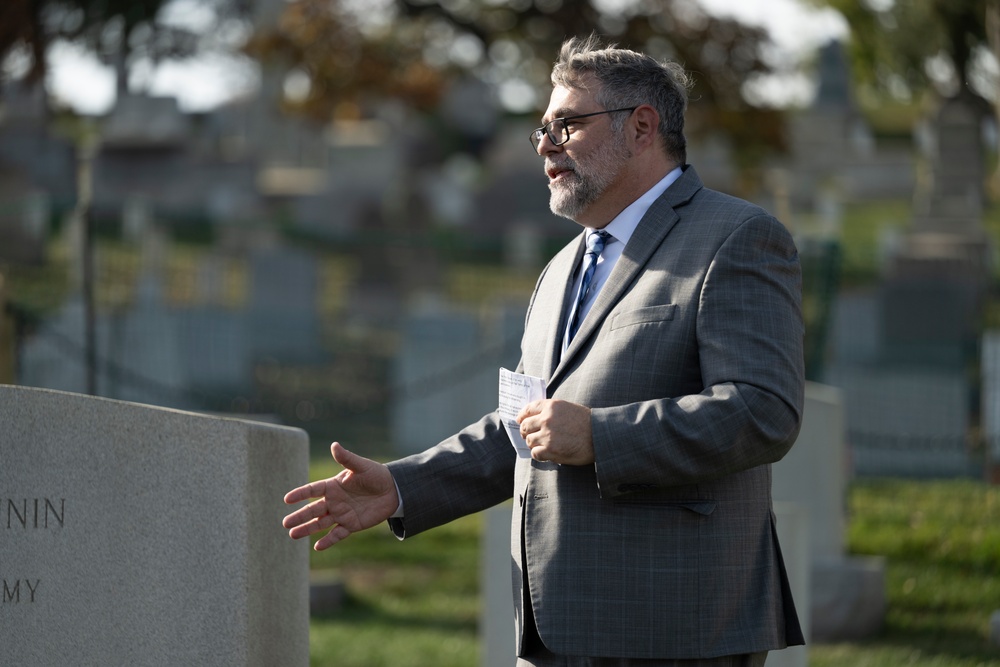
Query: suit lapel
[{"x": 649, "y": 234}]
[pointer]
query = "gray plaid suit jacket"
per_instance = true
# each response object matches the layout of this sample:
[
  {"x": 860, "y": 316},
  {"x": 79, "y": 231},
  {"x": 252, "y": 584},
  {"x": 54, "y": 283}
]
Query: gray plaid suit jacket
[{"x": 691, "y": 360}]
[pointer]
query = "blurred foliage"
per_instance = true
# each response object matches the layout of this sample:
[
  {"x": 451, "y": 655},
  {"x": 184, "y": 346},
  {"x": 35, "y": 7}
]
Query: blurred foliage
[
  {"x": 893, "y": 42},
  {"x": 349, "y": 58},
  {"x": 118, "y": 31}
]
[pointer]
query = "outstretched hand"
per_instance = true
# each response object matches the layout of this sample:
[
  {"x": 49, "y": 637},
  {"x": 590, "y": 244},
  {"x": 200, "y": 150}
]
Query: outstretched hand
[{"x": 359, "y": 497}]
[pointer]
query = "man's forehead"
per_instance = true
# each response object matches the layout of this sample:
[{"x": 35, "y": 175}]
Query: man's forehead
[{"x": 566, "y": 101}]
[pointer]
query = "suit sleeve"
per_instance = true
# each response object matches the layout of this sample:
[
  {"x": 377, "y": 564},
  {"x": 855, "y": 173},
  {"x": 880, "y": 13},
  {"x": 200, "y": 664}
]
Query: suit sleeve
[
  {"x": 466, "y": 473},
  {"x": 748, "y": 342}
]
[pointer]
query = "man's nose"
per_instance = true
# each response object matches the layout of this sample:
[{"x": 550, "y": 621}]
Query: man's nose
[{"x": 547, "y": 147}]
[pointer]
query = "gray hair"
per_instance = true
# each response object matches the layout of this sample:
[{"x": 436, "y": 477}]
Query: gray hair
[{"x": 629, "y": 79}]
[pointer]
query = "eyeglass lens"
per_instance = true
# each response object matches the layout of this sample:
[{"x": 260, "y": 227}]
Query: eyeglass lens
[{"x": 556, "y": 131}]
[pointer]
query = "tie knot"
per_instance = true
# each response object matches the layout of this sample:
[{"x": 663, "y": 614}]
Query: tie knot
[{"x": 596, "y": 240}]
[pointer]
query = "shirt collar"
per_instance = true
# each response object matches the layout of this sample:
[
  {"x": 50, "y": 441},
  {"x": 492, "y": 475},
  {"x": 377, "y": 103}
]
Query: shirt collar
[{"x": 625, "y": 222}]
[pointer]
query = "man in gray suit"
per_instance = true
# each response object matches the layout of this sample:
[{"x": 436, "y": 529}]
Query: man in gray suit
[{"x": 643, "y": 532}]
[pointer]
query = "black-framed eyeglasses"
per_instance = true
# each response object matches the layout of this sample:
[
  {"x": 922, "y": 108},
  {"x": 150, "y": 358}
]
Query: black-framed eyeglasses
[{"x": 557, "y": 129}]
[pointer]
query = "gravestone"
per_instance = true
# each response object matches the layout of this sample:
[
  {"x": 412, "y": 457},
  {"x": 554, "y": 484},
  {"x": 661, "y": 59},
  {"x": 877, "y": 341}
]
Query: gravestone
[
  {"x": 931, "y": 299},
  {"x": 907, "y": 421},
  {"x": 215, "y": 350},
  {"x": 284, "y": 302},
  {"x": 523, "y": 247},
  {"x": 143, "y": 342},
  {"x": 145, "y": 122},
  {"x": 438, "y": 378},
  {"x": 52, "y": 358},
  {"x": 24, "y": 219},
  {"x": 991, "y": 403},
  {"x": 445, "y": 372},
  {"x": 846, "y": 598},
  {"x": 6, "y": 337},
  {"x": 142, "y": 536},
  {"x": 932, "y": 295},
  {"x": 496, "y": 616}
]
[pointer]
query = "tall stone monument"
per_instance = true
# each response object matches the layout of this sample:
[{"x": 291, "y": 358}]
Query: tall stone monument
[
  {"x": 133, "y": 535},
  {"x": 931, "y": 300},
  {"x": 933, "y": 291}
]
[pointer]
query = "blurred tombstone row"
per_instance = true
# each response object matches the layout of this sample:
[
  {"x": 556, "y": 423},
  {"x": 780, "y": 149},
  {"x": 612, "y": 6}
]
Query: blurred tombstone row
[{"x": 374, "y": 191}]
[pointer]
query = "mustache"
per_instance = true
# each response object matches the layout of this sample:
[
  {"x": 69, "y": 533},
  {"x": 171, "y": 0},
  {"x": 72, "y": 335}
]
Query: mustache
[{"x": 567, "y": 164}]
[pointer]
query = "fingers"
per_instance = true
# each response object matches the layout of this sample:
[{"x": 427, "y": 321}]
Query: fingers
[
  {"x": 311, "y": 511},
  {"x": 358, "y": 497},
  {"x": 530, "y": 419},
  {"x": 558, "y": 431},
  {"x": 336, "y": 534},
  {"x": 530, "y": 410},
  {"x": 307, "y": 527},
  {"x": 312, "y": 490},
  {"x": 347, "y": 458}
]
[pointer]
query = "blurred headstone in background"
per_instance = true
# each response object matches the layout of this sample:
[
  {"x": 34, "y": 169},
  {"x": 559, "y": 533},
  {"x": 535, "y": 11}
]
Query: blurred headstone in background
[
  {"x": 37, "y": 171},
  {"x": 847, "y": 597},
  {"x": 909, "y": 421},
  {"x": 435, "y": 378},
  {"x": 283, "y": 309},
  {"x": 24, "y": 221},
  {"x": 833, "y": 152},
  {"x": 143, "y": 122},
  {"x": 7, "y": 350},
  {"x": 991, "y": 403},
  {"x": 909, "y": 391},
  {"x": 523, "y": 247},
  {"x": 446, "y": 371},
  {"x": 932, "y": 295}
]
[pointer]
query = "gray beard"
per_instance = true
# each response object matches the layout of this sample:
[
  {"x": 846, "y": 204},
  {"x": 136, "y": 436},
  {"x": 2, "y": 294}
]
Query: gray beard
[{"x": 573, "y": 197}]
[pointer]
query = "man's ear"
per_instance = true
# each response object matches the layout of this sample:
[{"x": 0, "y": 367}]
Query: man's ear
[{"x": 645, "y": 126}]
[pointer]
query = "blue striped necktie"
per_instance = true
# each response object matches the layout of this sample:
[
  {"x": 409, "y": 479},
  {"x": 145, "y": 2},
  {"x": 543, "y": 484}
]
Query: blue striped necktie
[{"x": 595, "y": 245}]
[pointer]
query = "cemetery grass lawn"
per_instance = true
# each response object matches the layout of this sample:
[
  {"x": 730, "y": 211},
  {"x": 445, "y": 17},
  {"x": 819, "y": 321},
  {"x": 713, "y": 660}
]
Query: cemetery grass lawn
[
  {"x": 416, "y": 603},
  {"x": 941, "y": 540},
  {"x": 409, "y": 604}
]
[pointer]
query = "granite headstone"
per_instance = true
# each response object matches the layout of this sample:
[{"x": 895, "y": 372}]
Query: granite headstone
[{"x": 134, "y": 535}]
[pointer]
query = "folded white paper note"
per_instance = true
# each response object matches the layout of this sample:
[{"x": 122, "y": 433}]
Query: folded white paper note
[{"x": 516, "y": 391}]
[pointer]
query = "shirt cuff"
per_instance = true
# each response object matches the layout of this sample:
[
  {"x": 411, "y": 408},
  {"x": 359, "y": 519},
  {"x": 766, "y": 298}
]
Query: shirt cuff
[{"x": 398, "y": 514}]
